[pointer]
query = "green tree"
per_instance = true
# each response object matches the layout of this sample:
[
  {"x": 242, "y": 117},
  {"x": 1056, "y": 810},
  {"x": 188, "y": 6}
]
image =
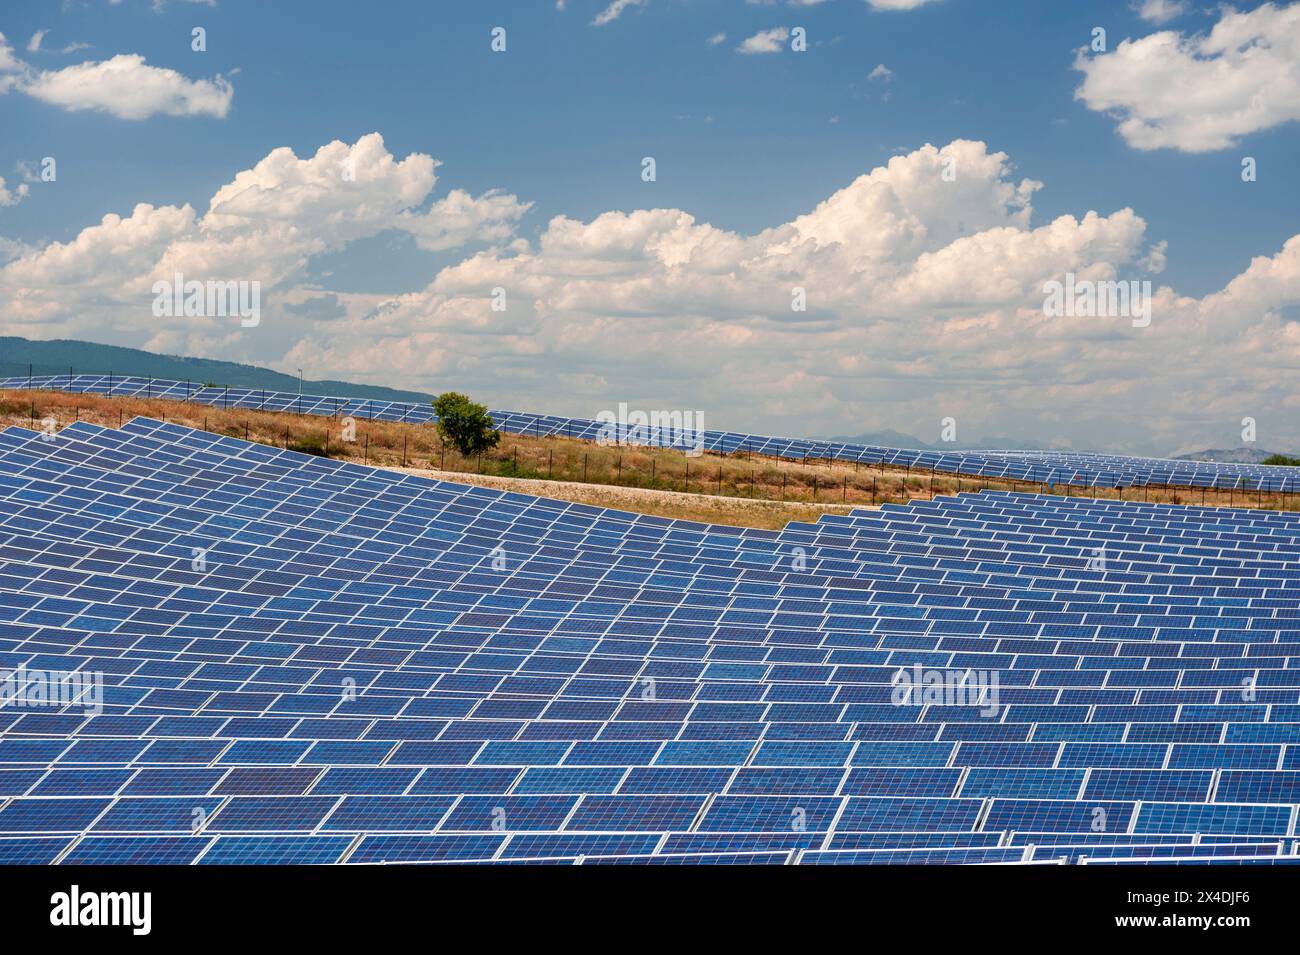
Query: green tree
[
  {"x": 1281, "y": 459},
  {"x": 464, "y": 425}
]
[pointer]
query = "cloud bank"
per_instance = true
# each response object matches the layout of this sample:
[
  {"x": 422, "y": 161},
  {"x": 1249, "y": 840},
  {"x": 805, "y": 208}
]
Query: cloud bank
[{"x": 923, "y": 281}]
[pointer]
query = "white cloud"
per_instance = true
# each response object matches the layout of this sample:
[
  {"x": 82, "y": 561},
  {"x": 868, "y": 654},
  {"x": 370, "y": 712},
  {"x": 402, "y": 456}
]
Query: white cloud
[
  {"x": 461, "y": 218},
  {"x": 1203, "y": 92},
  {"x": 160, "y": 5},
  {"x": 1156, "y": 258},
  {"x": 1160, "y": 11},
  {"x": 615, "y": 10},
  {"x": 717, "y": 39},
  {"x": 897, "y": 4},
  {"x": 265, "y": 225},
  {"x": 765, "y": 41},
  {"x": 9, "y": 64},
  {"x": 11, "y": 197},
  {"x": 924, "y": 300},
  {"x": 34, "y": 44},
  {"x": 881, "y": 72},
  {"x": 128, "y": 88},
  {"x": 101, "y": 260},
  {"x": 124, "y": 86}
]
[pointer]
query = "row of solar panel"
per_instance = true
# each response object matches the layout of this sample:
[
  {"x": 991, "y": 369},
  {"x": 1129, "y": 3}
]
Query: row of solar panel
[
  {"x": 1064, "y": 561},
  {"x": 1091, "y": 470},
  {"x": 358, "y": 815},
  {"x": 333, "y": 777},
  {"x": 891, "y": 516},
  {"x": 575, "y": 849}
]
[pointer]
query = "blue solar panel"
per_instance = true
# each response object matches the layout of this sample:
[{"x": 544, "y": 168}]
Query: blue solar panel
[{"x": 345, "y": 677}]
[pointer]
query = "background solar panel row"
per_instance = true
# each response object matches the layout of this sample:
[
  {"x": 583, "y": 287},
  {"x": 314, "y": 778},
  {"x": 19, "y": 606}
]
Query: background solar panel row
[{"x": 1040, "y": 467}]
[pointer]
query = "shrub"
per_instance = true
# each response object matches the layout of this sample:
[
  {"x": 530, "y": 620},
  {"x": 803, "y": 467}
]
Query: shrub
[{"x": 464, "y": 425}]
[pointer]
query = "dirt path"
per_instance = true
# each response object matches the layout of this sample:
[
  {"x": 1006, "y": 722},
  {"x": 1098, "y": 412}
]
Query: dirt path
[{"x": 710, "y": 508}]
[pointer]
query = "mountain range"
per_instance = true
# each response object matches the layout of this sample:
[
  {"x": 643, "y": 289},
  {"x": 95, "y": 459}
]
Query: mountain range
[{"x": 58, "y": 356}]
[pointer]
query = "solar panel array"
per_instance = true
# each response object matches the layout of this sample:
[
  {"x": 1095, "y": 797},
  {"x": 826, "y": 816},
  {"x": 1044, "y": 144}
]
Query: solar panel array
[
  {"x": 1042, "y": 467},
  {"x": 310, "y": 661}
]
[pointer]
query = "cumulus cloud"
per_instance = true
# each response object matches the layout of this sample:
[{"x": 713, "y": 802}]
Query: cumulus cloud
[
  {"x": 124, "y": 86},
  {"x": 1202, "y": 92},
  {"x": 924, "y": 298},
  {"x": 265, "y": 225},
  {"x": 34, "y": 44},
  {"x": 1160, "y": 11},
  {"x": 765, "y": 41},
  {"x": 127, "y": 87},
  {"x": 881, "y": 72},
  {"x": 460, "y": 218}
]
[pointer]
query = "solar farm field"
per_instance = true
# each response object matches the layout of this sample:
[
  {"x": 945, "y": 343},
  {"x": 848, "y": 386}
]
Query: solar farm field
[{"x": 252, "y": 655}]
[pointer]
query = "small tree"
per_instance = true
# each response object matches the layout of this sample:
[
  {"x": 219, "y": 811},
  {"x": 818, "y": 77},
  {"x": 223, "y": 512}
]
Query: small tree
[{"x": 464, "y": 425}]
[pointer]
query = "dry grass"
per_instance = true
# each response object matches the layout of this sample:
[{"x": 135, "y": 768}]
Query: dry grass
[
  {"x": 742, "y": 489},
  {"x": 708, "y": 508}
]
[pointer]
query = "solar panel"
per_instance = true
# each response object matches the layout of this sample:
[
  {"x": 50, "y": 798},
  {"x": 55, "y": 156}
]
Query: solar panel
[{"x": 341, "y": 675}]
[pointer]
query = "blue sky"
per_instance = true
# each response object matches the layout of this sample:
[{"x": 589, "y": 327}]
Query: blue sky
[{"x": 743, "y": 143}]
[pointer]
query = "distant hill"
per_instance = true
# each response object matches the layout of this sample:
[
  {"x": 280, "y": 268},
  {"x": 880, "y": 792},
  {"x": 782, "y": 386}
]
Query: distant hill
[
  {"x": 1227, "y": 456},
  {"x": 56, "y": 357}
]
